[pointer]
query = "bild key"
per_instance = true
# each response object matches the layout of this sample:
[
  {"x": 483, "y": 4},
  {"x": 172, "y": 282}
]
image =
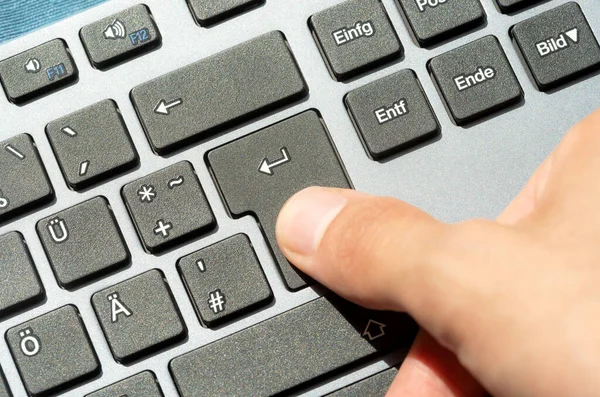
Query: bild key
[
  {"x": 475, "y": 80},
  {"x": 557, "y": 45},
  {"x": 258, "y": 173}
]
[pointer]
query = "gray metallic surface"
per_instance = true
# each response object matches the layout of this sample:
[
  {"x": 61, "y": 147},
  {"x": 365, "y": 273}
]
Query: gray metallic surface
[
  {"x": 4, "y": 391},
  {"x": 83, "y": 242},
  {"x": 141, "y": 385},
  {"x": 375, "y": 386},
  {"x": 352, "y": 57},
  {"x": 105, "y": 51},
  {"x": 53, "y": 351},
  {"x": 230, "y": 267},
  {"x": 500, "y": 90},
  {"x": 26, "y": 74},
  {"x": 178, "y": 201},
  {"x": 101, "y": 141},
  {"x": 140, "y": 318},
  {"x": 469, "y": 172},
  {"x": 417, "y": 123},
  {"x": 219, "y": 92},
  {"x": 564, "y": 63},
  {"x": 19, "y": 284},
  {"x": 434, "y": 21},
  {"x": 312, "y": 161}
]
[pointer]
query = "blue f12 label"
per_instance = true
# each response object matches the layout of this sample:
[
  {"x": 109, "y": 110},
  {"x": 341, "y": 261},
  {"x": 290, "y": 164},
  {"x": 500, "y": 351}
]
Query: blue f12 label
[{"x": 139, "y": 36}]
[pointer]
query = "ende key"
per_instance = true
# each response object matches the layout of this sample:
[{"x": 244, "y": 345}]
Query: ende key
[{"x": 467, "y": 81}]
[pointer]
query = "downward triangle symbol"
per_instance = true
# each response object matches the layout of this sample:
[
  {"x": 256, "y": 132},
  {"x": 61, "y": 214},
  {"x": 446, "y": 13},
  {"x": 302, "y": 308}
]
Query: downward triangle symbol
[{"x": 573, "y": 34}]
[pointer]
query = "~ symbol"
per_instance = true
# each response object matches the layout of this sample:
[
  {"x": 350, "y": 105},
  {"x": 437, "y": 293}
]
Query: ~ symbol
[{"x": 175, "y": 182}]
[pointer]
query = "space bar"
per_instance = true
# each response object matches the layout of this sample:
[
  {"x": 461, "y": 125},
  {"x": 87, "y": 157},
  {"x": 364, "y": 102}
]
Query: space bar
[
  {"x": 218, "y": 92},
  {"x": 287, "y": 351}
]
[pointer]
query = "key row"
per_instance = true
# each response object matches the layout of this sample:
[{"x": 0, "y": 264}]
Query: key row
[
  {"x": 357, "y": 36},
  {"x": 54, "y": 352},
  {"x": 167, "y": 207},
  {"x": 256, "y": 174},
  {"x": 107, "y": 42}
]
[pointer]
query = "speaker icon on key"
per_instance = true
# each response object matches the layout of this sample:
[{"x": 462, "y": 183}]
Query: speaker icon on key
[
  {"x": 115, "y": 31},
  {"x": 33, "y": 65}
]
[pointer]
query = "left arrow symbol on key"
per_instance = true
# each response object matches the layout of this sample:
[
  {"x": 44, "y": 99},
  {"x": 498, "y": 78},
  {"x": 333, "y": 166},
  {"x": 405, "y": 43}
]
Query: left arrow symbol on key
[
  {"x": 267, "y": 168},
  {"x": 165, "y": 107}
]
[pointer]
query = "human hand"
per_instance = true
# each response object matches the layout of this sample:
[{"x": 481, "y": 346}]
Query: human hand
[{"x": 509, "y": 306}]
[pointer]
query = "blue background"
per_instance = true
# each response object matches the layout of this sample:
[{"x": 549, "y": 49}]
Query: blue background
[{"x": 21, "y": 16}]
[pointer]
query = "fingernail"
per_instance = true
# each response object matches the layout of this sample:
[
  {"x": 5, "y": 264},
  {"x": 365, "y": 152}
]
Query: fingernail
[{"x": 304, "y": 219}]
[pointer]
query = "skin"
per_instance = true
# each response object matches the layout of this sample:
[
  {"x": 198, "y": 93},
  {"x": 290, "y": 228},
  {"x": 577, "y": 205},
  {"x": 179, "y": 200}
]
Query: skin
[{"x": 507, "y": 307}]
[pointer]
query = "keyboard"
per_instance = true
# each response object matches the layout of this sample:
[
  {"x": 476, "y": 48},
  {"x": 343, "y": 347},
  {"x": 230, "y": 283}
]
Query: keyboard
[{"x": 146, "y": 149}]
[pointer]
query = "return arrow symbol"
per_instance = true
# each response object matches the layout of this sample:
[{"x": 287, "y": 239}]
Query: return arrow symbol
[
  {"x": 165, "y": 108},
  {"x": 267, "y": 168}
]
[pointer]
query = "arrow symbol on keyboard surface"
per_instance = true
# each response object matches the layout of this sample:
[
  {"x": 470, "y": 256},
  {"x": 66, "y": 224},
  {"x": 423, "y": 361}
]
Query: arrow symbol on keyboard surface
[
  {"x": 374, "y": 330},
  {"x": 573, "y": 34},
  {"x": 266, "y": 167},
  {"x": 165, "y": 108}
]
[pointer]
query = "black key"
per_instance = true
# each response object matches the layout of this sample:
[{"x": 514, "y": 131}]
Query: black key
[
  {"x": 355, "y": 36},
  {"x": 373, "y": 386},
  {"x": 432, "y": 21},
  {"x": 139, "y": 316},
  {"x": 141, "y": 385},
  {"x": 168, "y": 207},
  {"x": 225, "y": 280},
  {"x": 4, "y": 390},
  {"x": 392, "y": 114},
  {"x": 20, "y": 285},
  {"x": 284, "y": 352},
  {"x": 53, "y": 352},
  {"x": 83, "y": 242},
  {"x": 92, "y": 144},
  {"x": 24, "y": 184},
  {"x": 258, "y": 173},
  {"x": 37, "y": 71},
  {"x": 208, "y": 12},
  {"x": 120, "y": 37},
  {"x": 557, "y": 45},
  {"x": 475, "y": 80},
  {"x": 508, "y": 6},
  {"x": 169, "y": 106}
]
